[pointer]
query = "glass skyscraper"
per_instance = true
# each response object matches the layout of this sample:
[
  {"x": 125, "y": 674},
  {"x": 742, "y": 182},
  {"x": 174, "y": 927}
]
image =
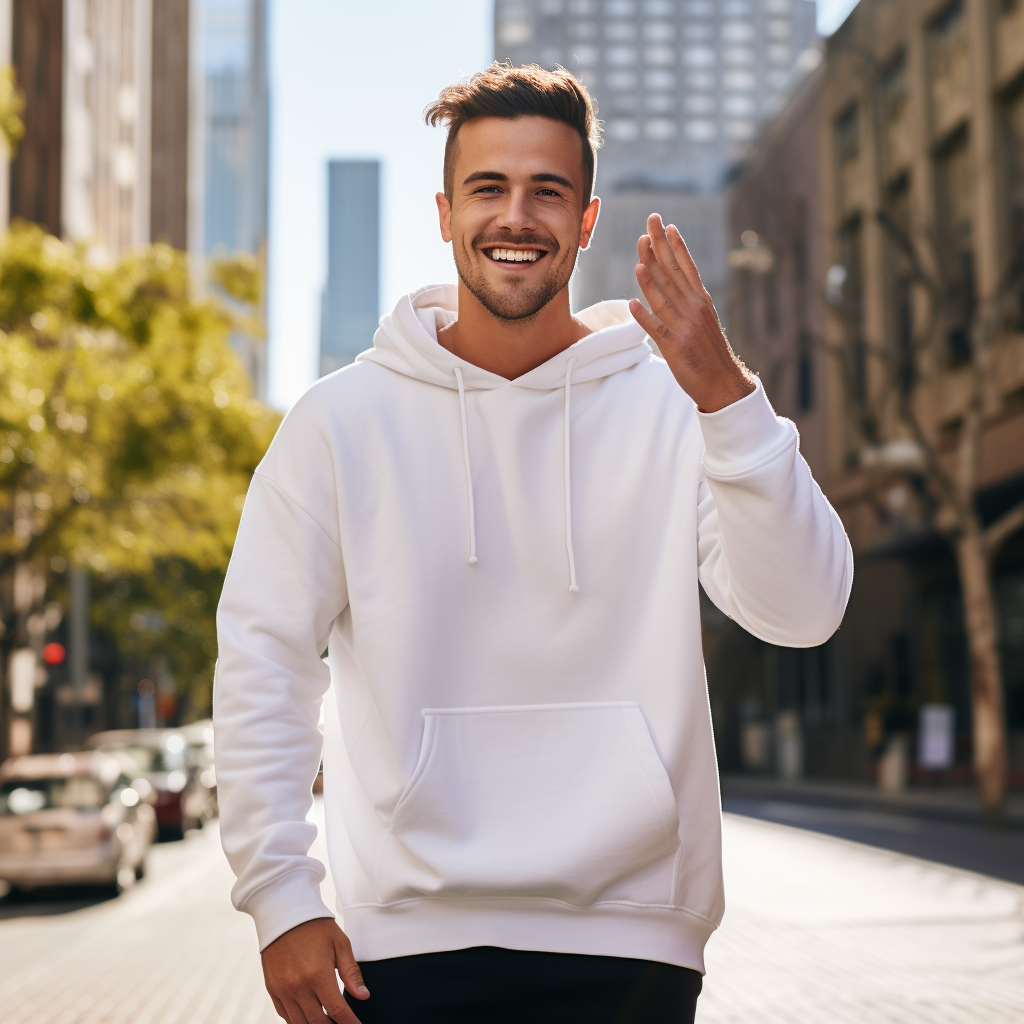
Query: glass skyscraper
[
  {"x": 351, "y": 297},
  {"x": 682, "y": 86}
]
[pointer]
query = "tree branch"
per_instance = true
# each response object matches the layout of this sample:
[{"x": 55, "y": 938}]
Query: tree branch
[{"x": 997, "y": 533}]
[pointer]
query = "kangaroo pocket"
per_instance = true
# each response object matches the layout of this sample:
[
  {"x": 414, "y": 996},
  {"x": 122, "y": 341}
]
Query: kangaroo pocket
[{"x": 555, "y": 801}]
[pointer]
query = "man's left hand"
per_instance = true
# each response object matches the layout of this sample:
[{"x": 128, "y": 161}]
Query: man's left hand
[{"x": 683, "y": 322}]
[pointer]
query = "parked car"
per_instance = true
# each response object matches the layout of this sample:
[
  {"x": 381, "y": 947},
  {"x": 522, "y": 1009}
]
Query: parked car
[
  {"x": 71, "y": 819},
  {"x": 199, "y": 737},
  {"x": 163, "y": 759}
]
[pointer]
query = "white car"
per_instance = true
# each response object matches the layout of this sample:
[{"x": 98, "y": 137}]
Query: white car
[{"x": 71, "y": 819}]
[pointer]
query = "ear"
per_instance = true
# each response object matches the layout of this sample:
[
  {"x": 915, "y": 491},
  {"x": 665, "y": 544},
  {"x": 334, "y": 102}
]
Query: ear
[
  {"x": 590, "y": 215},
  {"x": 444, "y": 212}
]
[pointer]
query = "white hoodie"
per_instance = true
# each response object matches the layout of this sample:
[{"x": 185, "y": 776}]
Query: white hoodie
[{"x": 517, "y": 742}]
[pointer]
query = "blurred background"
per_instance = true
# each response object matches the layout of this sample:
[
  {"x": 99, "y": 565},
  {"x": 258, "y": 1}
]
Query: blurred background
[{"x": 207, "y": 204}]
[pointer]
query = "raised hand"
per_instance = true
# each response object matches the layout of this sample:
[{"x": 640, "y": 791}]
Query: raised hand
[
  {"x": 299, "y": 970},
  {"x": 683, "y": 322}
]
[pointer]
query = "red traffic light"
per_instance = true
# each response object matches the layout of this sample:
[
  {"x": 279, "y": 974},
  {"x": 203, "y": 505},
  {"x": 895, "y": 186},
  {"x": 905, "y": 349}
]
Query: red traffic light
[{"x": 53, "y": 654}]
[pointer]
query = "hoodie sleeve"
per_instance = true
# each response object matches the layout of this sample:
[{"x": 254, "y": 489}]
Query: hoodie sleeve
[
  {"x": 285, "y": 586},
  {"x": 773, "y": 552}
]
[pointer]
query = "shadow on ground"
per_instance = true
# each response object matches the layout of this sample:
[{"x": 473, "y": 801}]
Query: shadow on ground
[{"x": 989, "y": 850}]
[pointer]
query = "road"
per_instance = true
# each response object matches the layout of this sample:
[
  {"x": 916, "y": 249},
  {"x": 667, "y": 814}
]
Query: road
[{"x": 819, "y": 929}]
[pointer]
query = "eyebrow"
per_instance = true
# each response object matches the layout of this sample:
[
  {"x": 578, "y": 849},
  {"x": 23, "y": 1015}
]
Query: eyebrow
[{"x": 498, "y": 176}]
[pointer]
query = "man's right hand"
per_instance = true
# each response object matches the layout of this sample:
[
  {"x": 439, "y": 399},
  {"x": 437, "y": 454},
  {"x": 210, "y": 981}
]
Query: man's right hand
[{"x": 299, "y": 966}]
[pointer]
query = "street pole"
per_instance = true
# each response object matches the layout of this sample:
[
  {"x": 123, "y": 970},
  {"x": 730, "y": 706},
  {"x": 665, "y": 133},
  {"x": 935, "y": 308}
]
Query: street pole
[{"x": 78, "y": 655}]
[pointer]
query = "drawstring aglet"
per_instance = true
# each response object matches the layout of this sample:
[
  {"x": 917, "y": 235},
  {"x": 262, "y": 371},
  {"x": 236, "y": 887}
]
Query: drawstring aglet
[
  {"x": 472, "y": 559},
  {"x": 574, "y": 589}
]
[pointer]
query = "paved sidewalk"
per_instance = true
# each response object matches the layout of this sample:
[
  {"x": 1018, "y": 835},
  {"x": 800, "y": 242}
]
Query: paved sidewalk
[
  {"x": 947, "y": 803},
  {"x": 821, "y": 930},
  {"x": 818, "y": 930},
  {"x": 171, "y": 951}
]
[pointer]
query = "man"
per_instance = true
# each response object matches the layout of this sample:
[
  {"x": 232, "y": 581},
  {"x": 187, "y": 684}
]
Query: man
[{"x": 494, "y": 523}]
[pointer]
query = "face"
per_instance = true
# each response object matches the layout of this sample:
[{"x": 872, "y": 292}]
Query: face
[{"x": 516, "y": 218}]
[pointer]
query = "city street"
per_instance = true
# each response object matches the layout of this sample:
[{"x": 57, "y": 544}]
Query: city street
[{"x": 819, "y": 929}]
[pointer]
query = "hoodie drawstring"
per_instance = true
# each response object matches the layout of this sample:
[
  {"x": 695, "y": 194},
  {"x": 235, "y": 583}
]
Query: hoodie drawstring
[
  {"x": 573, "y": 589},
  {"x": 469, "y": 471}
]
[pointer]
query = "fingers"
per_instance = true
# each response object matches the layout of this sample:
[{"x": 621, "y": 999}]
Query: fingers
[
  {"x": 662, "y": 250},
  {"x": 348, "y": 968},
  {"x": 672, "y": 255},
  {"x": 683, "y": 258},
  {"x": 650, "y": 323},
  {"x": 335, "y": 1006},
  {"x": 666, "y": 300}
]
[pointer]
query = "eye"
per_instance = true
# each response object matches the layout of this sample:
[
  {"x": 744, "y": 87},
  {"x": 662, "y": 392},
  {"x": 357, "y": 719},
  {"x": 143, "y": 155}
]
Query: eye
[
  {"x": 487, "y": 188},
  {"x": 549, "y": 192}
]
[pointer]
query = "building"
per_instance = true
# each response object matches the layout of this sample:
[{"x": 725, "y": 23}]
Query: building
[
  {"x": 235, "y": 118},
  {"x": 681, "y": 86},
  {"x": 351, "y": 298},
  {"x": 232, "y": 143},
  {"x": 901, "y": 165},
  {"x": 145, "y": 122}
]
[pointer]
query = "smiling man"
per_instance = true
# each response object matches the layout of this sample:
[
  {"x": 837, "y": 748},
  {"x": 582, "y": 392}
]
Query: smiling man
[{"x": 495, "y": 522}]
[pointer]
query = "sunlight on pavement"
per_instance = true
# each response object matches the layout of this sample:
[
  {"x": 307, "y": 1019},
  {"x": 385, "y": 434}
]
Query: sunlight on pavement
[
  {"x": 819, "y": 930},
  {"x": 171, "y": 951}
]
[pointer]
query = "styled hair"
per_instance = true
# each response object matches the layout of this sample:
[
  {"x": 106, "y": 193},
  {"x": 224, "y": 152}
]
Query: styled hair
[{"x": 504, "y": 90}]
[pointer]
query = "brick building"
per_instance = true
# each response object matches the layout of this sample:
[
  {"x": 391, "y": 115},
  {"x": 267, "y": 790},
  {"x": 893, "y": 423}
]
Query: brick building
[{"x": 877, "y": 237}]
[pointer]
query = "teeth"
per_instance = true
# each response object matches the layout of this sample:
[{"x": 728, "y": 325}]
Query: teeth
[{"x": 515, "y": 255}]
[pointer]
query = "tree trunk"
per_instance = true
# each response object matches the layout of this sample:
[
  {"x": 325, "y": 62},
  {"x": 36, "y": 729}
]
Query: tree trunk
[{"x": 986, "y": 672}]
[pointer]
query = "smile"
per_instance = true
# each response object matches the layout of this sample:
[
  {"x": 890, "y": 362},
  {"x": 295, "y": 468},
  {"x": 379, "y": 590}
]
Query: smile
[{"x": 516, "y": 255}]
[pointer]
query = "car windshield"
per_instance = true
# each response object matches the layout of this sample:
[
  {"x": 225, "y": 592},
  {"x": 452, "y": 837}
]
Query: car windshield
[
  {"x": 77, "y": 792},
  {"x": 148, "y": 759}
]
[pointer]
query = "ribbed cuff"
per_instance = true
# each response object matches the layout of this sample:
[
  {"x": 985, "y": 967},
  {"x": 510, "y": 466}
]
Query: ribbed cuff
[
  {"x": 743, "y": 436},
  {"x": 284, "y": 904}
]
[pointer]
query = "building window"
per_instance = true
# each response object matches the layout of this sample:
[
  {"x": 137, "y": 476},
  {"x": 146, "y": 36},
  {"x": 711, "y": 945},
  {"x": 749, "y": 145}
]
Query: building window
[
  {"x": 900, "y": 287},
  {"x": 849, "y": 303},
  {"x": 894, "y": 88},
  {"x": 701, "y": 131},
  {"x": 954, "y": 216},
  {"x": 659, "y": 31},
  {"x": 738, "y": 32},
  {"x": 660, "y": 80},
  {"x": 660, "y": 128},
  {"x": 846, "y": 149},
  {"x": 739, "y": 81},
  {"x": 617, "y": 56},
  {"x": 621, "y": 80},
  {"x": 1012, "y": 124},
  {"x": 620, "y": 31}
]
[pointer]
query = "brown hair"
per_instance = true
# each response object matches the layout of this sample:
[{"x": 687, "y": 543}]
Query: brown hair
[{"x": 504, "y": 90}]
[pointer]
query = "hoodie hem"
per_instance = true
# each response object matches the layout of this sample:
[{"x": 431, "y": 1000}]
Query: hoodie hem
[{"x": 673, "y": 936}]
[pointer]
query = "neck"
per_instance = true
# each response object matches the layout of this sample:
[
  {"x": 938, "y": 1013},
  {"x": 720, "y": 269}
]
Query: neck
[{"x": 510, "y": 348}]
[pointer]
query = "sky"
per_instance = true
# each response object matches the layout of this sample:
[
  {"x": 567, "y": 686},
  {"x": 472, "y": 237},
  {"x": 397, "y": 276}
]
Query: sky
[{"x": 350, "y": 79}]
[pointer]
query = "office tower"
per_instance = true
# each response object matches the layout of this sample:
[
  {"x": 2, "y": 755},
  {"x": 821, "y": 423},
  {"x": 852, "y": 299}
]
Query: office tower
[
  {"x": 352, "y": 295},
  {"x": 235, "y": 122},
  {"x": 681, "y": 86},
  {"x": 233, "y": 135}
]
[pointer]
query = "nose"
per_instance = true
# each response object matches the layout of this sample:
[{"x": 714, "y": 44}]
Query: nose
[{"x": 515, "y": 214}]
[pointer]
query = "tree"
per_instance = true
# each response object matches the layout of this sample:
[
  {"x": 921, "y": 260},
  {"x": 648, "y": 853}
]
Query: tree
[{"x": 128, "y": 432}]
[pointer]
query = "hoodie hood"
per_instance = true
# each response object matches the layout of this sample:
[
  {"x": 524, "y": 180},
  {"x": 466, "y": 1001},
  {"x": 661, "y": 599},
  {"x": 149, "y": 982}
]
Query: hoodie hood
[{"x": 406, "y": 341}]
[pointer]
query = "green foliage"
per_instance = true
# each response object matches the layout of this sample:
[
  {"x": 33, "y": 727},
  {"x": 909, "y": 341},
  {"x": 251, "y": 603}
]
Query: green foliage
[
  {"x": 12, "y": 104},
  {"x": 239, "y": 275},
  {"x": 128, "y": 431}
]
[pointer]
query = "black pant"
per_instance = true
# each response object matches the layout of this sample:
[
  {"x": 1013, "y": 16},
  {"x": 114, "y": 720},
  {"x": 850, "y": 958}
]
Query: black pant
[{"x": 489, "y": 985}]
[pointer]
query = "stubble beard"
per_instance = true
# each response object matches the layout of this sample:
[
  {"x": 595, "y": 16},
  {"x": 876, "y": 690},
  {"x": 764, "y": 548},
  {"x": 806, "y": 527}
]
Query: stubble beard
[{"x": 517, "y": 301}]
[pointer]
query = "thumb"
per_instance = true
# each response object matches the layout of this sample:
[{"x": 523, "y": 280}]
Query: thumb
[{"x": 351, "y": 976}]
